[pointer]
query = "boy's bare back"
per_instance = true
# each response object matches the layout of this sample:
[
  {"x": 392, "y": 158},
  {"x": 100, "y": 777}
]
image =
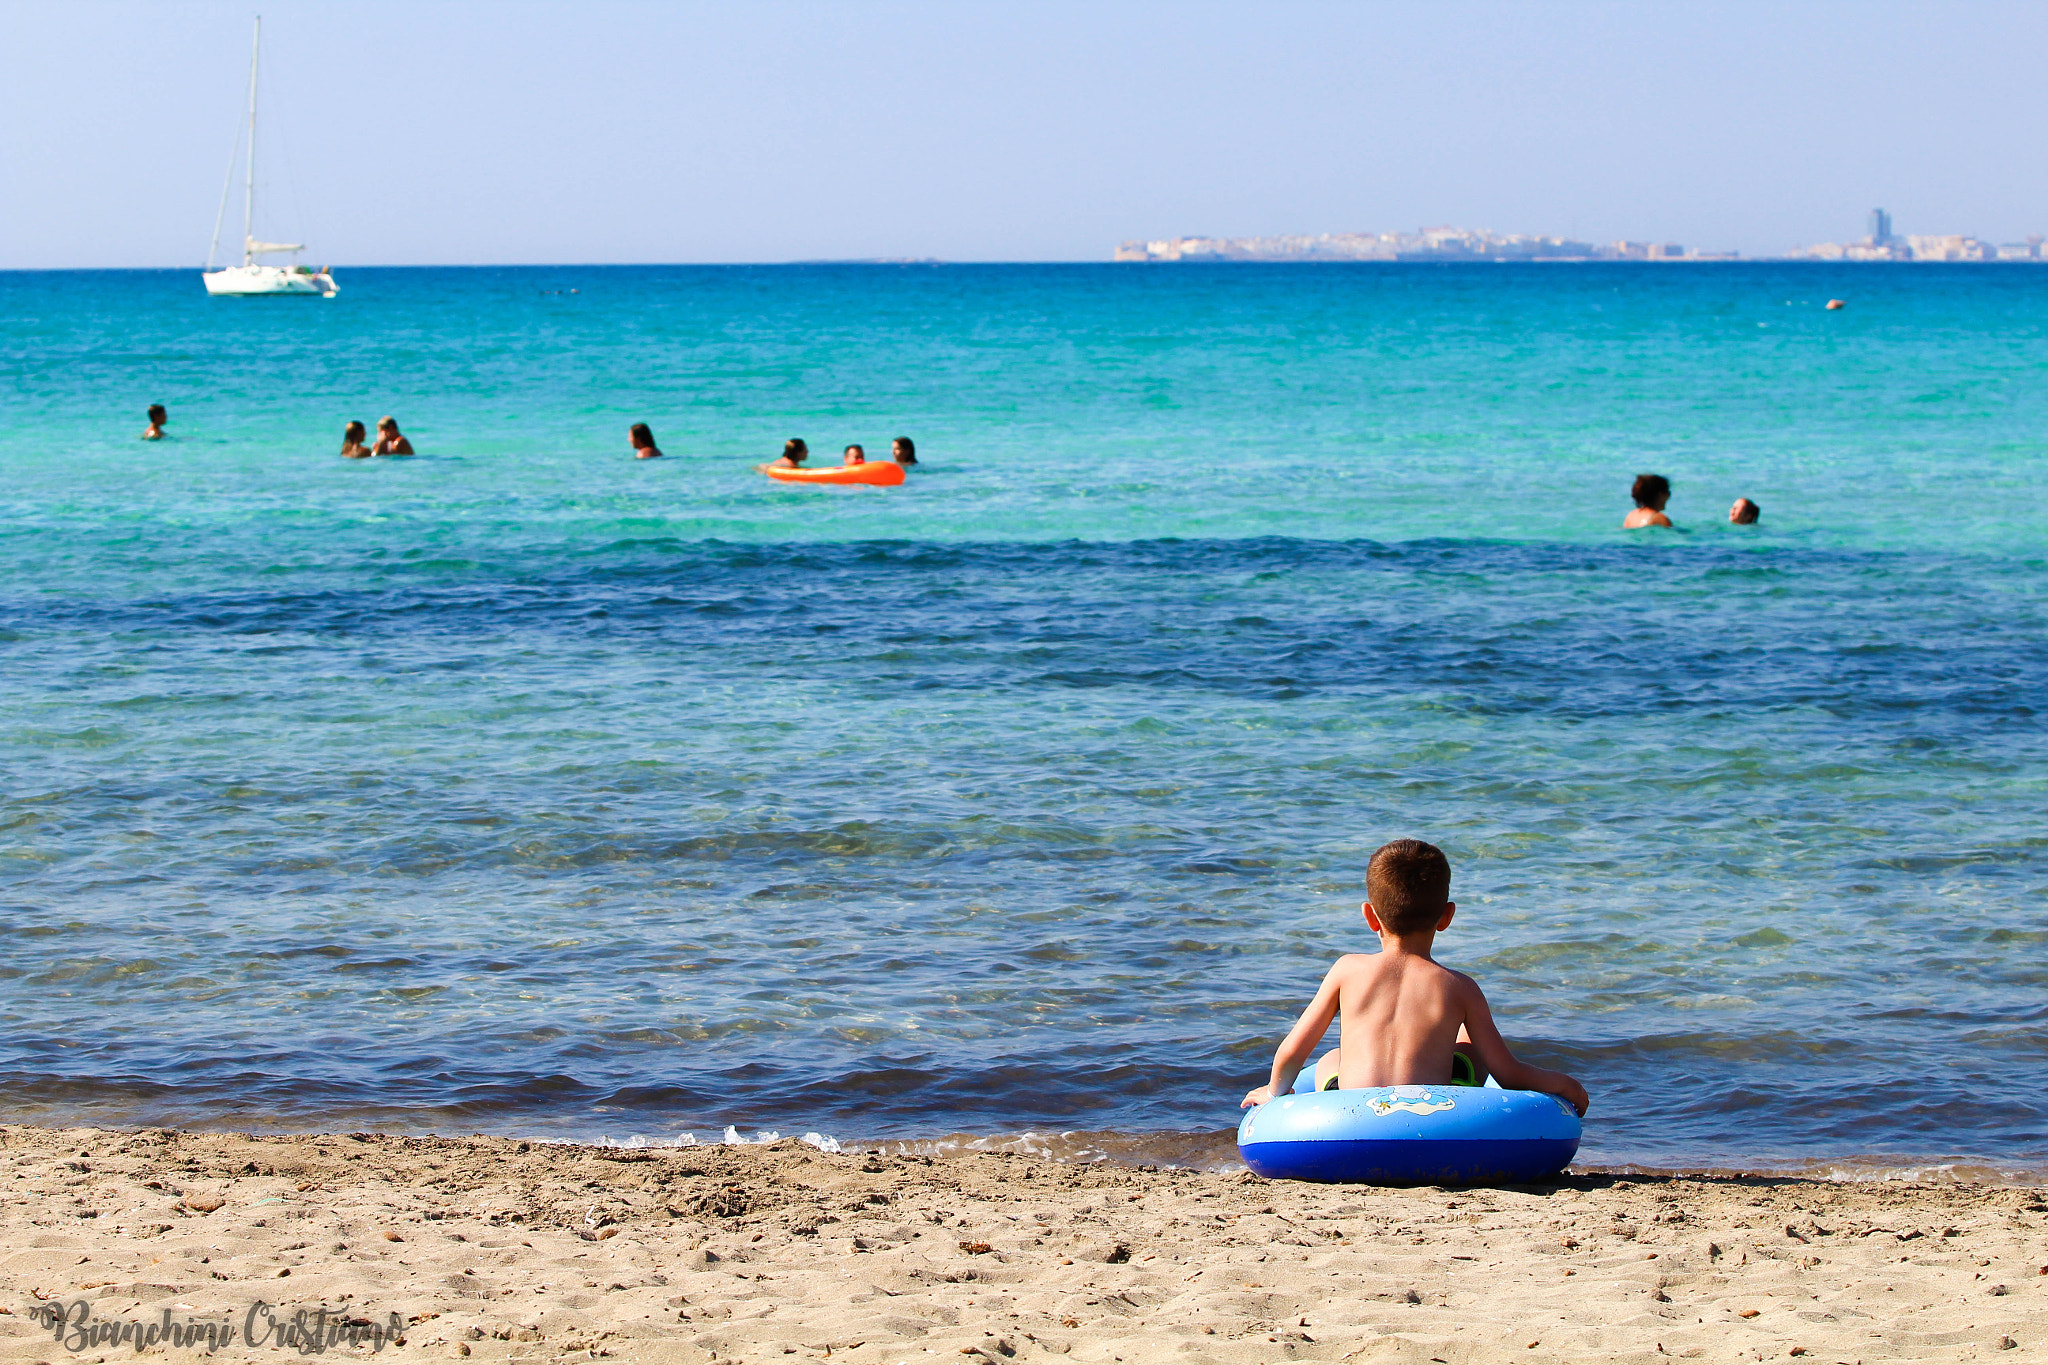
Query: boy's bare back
[{"x": 1403, "y": 1013}]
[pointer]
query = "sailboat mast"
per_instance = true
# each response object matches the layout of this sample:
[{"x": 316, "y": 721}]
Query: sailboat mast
[{"x": 249, "y": 186}]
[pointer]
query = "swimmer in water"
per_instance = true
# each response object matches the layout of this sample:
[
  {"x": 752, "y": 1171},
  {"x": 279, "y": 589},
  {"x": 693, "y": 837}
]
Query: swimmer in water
[
  {"x": 389, "y": 440},
  {"x": 643, "y": 442},
  {"x": 903, "y": 451},
  {"x": 794, "y": 453},
  {"x": 1744, "y": 512},
  {"x": 1651, "y": 492},
  {"x": 855, "y": 455},
  {"x": 157, "y": 417},
  {"x": 352, "y": 447}
]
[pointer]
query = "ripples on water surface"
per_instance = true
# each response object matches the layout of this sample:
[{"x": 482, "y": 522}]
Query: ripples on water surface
[{"x": 525, "y": 788}]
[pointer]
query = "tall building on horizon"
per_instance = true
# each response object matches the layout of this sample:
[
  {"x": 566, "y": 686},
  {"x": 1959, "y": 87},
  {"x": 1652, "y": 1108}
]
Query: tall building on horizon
[{"x": 1880, "y": 227}]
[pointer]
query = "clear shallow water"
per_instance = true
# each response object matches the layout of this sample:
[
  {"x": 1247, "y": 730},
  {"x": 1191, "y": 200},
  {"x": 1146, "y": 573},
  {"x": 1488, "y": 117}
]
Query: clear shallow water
[{"x": 526, "y": 788}]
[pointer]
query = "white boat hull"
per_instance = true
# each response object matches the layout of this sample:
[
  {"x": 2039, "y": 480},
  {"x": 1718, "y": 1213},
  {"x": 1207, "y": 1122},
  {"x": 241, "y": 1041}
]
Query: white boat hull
[{"x": 247, "y": 280}]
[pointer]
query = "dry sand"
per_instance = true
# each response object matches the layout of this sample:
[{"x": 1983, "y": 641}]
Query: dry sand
[{"x": 497, "y": 1250}]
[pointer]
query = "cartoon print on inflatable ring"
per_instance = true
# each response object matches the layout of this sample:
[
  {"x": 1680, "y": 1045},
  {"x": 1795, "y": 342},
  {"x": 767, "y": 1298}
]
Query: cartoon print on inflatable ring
[{"x": 1413, "y": 1099}]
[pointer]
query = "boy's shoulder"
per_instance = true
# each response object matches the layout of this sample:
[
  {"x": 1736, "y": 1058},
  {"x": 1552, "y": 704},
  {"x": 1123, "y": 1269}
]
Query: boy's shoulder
[
  {"x": 1364, "y": 966},
  {"x": 1465, "y": 989},
  {"x": 1452, "y": 976}
]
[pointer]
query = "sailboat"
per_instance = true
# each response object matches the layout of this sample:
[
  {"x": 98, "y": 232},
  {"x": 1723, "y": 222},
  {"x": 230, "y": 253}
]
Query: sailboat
[{"x": 252, "y": 276}]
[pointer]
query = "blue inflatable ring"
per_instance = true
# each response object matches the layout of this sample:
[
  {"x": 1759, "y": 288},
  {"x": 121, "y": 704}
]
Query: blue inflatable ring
[{"x": 1410, "y": 1135}]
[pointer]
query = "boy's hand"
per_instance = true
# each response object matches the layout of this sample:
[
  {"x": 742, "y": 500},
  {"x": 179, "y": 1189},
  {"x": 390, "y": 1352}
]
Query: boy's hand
[
  {"x": 1575, "y": 1093},
  {"x": 1259, "y": 1096}
]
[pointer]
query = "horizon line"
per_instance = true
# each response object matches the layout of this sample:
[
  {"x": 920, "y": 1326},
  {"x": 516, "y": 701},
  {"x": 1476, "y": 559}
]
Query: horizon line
[{"x": 909, "y": 262}]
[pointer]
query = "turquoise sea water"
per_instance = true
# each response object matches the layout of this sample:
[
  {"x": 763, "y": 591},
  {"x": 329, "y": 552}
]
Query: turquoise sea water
[{"x": 526, "y": 788}]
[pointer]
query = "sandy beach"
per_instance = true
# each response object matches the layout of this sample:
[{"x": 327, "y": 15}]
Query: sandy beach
[{"x": 500, "y": 1250}]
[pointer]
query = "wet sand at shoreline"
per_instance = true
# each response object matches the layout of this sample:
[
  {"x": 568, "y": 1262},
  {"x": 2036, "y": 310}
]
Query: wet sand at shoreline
[{"x": 491, "y": 1249}]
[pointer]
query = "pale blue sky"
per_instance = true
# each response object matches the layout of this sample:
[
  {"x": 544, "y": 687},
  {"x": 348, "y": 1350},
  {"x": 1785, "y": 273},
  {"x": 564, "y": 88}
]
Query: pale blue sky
[{"x": 469, "y": 131}]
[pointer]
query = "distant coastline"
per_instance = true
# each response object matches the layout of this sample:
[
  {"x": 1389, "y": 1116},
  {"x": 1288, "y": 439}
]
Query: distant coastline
[
  {"x": 1953, "y": 247},
  {"x": 1467, "y": 244},
  {"x": 1430, "y": 244}
]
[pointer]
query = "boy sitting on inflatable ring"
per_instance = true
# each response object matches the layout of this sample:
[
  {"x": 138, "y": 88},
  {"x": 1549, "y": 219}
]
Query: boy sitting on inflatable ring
[{"x": 1406, "y": 1019}]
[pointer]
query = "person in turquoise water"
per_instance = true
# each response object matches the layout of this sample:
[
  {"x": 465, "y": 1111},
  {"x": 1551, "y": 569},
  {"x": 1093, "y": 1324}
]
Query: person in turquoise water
[
  {"x": 642, "y": 437},
  {"x": 157, "y": 417},
  {"x": 1406, "y": 1019},
  {"x": 856, "y": 455},
  {"x": 1651, "y": 492},
  {"x": 390, "y": 440},
  {"x": 903, "y": 451},
  {"x": 352, "y": 447},
  {"x": 1744, "y": 512},
  {"x": 794, "y": 453}
]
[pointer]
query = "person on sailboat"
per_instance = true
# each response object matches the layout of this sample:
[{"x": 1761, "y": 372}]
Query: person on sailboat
[
  {"x": 352, "y": 447},
  {"x": 389, "y": 440},
  {"x": 157, "y": 418},
  {"x": 642, "y": 437}
]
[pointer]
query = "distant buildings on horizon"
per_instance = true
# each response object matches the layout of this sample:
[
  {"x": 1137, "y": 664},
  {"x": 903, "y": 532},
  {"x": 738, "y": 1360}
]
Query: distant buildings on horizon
[
  {"x": 1464, "y": 244},
  {"x": 1879, "y": 244},
  {"x": 1430, "y": 244}
]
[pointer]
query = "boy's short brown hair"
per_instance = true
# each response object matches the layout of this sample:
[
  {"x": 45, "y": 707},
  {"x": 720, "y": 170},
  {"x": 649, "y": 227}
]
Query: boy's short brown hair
[{"x": 1408, "y": 883}]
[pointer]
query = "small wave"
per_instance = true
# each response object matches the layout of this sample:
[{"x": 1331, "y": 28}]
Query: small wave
[
  {"x": 1208, "y": 1151},
  {"x": 732, "y": 1137},
  {"x": 1841, "y": 1170}
]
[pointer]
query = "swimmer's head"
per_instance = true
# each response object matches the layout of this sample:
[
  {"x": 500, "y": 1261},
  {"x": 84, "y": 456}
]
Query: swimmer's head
[
  {"x": 1409, "y": 884},
  {"x": 794, "y": 450},
  {"x": 353, "y": 434},
  {"x": 855, "y": 455},
  {"x": 1744, "y": 512},
  {"x": 641, "y": 435},
  {"x": 387, "y": 424},
  {"x": 157, "y": 415},
  {"x": 1651, "y": 491},
  {"x": 904, "y": 450}
]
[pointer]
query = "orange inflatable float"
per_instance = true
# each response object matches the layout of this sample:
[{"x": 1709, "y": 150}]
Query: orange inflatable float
[{"x": 882, "y": 473}]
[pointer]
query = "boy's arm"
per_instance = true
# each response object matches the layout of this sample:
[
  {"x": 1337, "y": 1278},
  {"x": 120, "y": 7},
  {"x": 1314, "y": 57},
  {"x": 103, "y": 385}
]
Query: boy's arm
[
  {"x": 1501, "y": 1063},
  {"x": 1301, "y": 1040}
]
